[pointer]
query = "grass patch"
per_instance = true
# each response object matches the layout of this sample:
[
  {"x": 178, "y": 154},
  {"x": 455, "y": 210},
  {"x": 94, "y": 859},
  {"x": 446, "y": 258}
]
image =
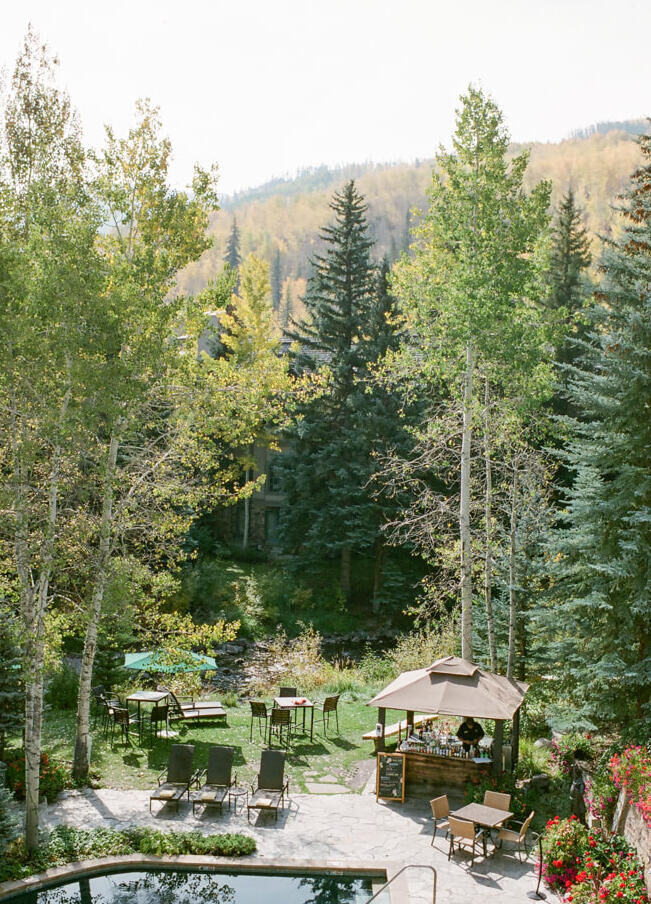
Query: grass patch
[{"x": 131, "y": 766}]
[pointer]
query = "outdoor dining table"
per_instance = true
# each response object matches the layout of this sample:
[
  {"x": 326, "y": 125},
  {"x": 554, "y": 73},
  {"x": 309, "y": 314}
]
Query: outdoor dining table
[
  {"x": 481, "y": 815},
  {"x": 293, "y": 703},
  {"x": 153, "y": 697}
]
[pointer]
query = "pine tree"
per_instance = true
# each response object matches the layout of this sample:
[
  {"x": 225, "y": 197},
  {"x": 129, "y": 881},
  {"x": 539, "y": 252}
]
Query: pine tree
[
  {"x": 12, "y": 697},
  {"x": 602, "y": 552},
  {"x": 569, "y": 258},
  {"x": 276, "y": 281},
  {"x": 326, "y": 470},
  {"x": 232, "y": 257}
]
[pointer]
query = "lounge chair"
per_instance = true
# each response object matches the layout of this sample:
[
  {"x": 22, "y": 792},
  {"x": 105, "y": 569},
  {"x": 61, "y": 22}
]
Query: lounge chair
[
  {"x": 175, "y": 781},
  {"x": 465, "y": 834},
  {"x": 217, "y": 778},
  {"x": 190, "y": 709},
  {"x": 517, "y": 836},
  {"x": 270, "y": 787}
]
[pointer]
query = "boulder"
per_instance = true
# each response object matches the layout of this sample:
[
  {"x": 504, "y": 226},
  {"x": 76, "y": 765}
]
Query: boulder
[{"x": 543, "y": 742}]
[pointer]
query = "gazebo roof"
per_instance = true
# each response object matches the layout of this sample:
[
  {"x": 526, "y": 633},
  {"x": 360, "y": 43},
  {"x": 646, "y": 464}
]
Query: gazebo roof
[{"x": 454, "y": 687}]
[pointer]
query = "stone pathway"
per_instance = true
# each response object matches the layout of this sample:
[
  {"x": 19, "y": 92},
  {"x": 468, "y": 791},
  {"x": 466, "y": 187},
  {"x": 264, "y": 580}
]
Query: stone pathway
[{"x": 323, "y": 827}]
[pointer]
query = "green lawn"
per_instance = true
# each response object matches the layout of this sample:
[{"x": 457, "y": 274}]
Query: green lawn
[{"x": 131, "y": 766}]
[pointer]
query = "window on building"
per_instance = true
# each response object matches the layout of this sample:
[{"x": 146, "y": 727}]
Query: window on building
[
  {"x": 273, "y": 473},
  {"x": 271, "y": 523}
]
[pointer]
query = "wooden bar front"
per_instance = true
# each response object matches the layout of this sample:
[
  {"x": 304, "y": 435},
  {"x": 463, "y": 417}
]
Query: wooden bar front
[{"x": 426, "y": 772}]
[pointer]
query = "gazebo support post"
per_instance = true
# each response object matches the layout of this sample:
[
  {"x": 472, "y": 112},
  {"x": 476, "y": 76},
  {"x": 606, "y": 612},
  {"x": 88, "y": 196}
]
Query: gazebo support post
[
  {"x": 410, "y": 721},
  {"x": 515, "y": 740},
  {"x": 497, "y": 747},
  {"x": 382, "y": 719}
]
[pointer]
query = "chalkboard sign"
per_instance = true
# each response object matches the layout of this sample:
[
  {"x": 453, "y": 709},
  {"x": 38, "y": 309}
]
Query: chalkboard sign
[{"x": 390, "y": 782}]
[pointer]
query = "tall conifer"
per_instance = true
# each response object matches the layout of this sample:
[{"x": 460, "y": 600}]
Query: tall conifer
[
  {"x": 603, "y": 602},
  {"x": 233, "y": 257}
]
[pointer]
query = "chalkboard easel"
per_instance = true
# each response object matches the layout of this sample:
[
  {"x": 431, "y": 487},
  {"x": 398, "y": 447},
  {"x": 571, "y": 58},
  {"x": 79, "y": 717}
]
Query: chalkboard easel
[{"x": 390, "y": 780}]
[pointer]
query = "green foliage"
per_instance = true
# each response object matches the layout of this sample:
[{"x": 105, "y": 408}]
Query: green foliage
[
  {"x": 62, "y": 688},
  {"x": 9, "y": 820},
  {"x": 600, "y": 608},
  {"x": 531, "y": 760},
  {"x": 54, "y": 775},
  {"x": 12, "y": 699},
  {"x": 505, "y": 784},
  {"x": 590, "y": 867},
  {"x": 568, "y": 747},
  {"x": 66, "y": 844}
]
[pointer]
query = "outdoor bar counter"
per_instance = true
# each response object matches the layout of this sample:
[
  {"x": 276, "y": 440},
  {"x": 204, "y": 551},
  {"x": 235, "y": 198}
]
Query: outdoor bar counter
[{"x": 424, "y": 771}]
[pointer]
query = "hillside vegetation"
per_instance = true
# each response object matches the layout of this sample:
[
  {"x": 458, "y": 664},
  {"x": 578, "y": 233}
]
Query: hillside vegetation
[{"x": 284, "y": 216}]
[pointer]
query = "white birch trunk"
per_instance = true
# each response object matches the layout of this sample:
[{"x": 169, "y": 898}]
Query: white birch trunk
[
  {"x": 464, "y": 510},
  {"x": 488, "y": 539},
  {"x": 513, "y": 609},
  {"x": 247, "y": 513},
  {"x": 81, "y": 761}
]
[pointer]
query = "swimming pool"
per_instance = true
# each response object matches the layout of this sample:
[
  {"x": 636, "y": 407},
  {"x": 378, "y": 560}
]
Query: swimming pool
[{"x": 187, "y": 887}]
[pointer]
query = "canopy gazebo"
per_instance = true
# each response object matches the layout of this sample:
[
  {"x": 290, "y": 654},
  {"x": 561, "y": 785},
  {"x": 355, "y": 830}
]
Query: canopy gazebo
[{"x": 456, "y": 687}]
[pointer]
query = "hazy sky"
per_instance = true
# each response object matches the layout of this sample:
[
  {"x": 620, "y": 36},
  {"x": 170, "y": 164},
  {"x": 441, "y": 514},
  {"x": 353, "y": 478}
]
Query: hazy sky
[{"x": 264, "y": 87}]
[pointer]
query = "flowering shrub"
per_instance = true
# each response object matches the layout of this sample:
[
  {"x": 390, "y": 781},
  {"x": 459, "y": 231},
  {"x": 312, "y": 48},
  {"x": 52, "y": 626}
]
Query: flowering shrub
[
  {"x": 601, "y": 797},
  {"x": 590, "y": 868},
  {"x": 505, "y": 784},
  {"x": 54, "y": 776},
  {"x": 563, "y": 750},
  {"x": 631, "y": 770}
]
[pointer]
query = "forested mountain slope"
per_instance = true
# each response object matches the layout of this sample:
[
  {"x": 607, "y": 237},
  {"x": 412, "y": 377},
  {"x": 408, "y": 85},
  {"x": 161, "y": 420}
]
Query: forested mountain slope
[{"x": 282, "y": 218}]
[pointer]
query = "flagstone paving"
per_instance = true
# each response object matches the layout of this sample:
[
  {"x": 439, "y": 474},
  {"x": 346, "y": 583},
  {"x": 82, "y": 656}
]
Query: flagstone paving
[{"x": 334, "y": 827}]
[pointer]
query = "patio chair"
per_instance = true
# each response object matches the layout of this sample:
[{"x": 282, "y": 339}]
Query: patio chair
[
  {"x": 270, "y": 787},
  {"x": 109, "y": 703},
  {"x": 440, "y": 813},
  {"x": 465, "y": 834},
  {"x": 327, "y": 709},
  {"x": 157, "y": 717},
  {"x": 517, "y": 836},
  {"x": 122, "y": 718},
  {"x": 175, "y": 781},
  {"x": 217, "y": 778},
  {"x": 287, "y": 692},
  {"x": 190, "y": 710},
  {"x": 259, "y": 712},
  {"x": 280, "y": 724},
  {"x": 497, "y": 799},
  {"x": 98, "y": 701}
]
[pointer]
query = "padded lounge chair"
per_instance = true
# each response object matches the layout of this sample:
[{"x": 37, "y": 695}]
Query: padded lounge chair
[
  {"x": 175, "y": 781},
  {"x": 270, "y": 787},
  {"x": 190, "y": 709},
  {"x": 217, "y": 778}
]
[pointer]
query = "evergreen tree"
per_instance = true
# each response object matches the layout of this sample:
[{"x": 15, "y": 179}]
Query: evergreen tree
[
  {"x": 569, "y": 258},
  {"x": 276, "y": 281},
  {"x": 232, "y": 257},
  {"x": 326, "y": 470},
  {"x": 12, "y": 697},
  {"x": 602, "y": 600}
]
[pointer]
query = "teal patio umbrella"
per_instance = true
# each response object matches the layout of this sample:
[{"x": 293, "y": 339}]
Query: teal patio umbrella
[{"x": 183, "y": 661}]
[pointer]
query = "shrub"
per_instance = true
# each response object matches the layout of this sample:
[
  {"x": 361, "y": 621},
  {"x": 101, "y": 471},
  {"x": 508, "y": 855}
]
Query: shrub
[
  {"x": 54, "y": 775},
  {"x": 9, "y": 820},
  {"x": 591, "y": 868},
  {"x": 63, "y": 688},
  {"x": 631, "y": 770},
  {"x": 66, "y": 844},
  {"x": 474, "y": 793},
  {"x": 532, "y": 760},
  {"x": 563, "y": 750}
]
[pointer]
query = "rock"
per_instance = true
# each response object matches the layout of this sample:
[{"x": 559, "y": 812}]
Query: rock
[
  {"x": 543, "y": 743},
  {"x": 540, "y": 782}
]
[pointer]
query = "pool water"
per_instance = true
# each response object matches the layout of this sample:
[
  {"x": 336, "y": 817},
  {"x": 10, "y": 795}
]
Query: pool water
[{"x": 163, "y": 887}]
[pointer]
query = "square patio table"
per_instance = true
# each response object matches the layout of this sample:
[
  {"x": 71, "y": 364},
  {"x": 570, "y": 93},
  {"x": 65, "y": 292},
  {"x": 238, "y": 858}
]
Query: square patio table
[
  {"x": 481, "y": 815},
  {"x": 150, "y": 697},
  {"x": 291, "y": 703}
]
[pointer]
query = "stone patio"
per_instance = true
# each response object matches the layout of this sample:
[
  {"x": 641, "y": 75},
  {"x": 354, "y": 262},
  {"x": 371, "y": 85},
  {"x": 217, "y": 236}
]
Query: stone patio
[{"x": 323, "y": 828}]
